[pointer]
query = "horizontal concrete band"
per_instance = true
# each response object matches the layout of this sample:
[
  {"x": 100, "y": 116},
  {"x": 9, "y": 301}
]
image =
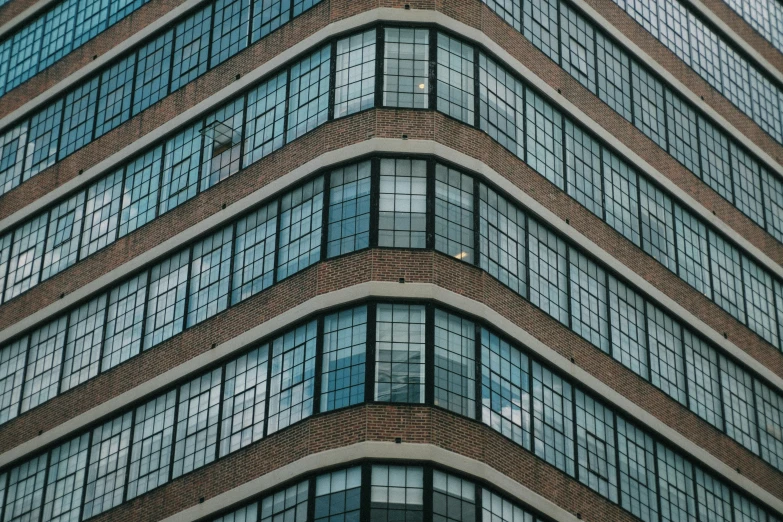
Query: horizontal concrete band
[
  {"x": 390, "y": 146},
  {"x": 468, "y": 33},
  {"x": 374, "y": 450},
  {"x": 387, "y": 290}
]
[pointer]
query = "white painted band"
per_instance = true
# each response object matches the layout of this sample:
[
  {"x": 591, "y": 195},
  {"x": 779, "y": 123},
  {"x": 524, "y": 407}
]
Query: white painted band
[
  {"x": 390, "y": 146},
  {"x": 374, "y": 450},
  {"x": 387, "y": 290}
]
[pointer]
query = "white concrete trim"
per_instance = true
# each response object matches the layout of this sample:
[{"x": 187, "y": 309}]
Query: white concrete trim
[
  {"x": 387, "y": 290},
  {"x": 381, "y": 451},
  {"x": 391, "y": 146}
]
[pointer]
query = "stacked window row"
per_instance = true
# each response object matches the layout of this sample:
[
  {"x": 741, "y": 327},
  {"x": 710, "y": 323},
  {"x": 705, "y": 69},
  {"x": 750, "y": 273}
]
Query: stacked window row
[
  {"x": 640, "y": 96},
  {"x": 469, "y": 86},
  {"x": 141, "y": 78},
  {"x": 331, "y": 215},
  {"x": 377, "y": 352},
  {"x": 48, "y": 37},
  {"x": 765, "y": 16}
]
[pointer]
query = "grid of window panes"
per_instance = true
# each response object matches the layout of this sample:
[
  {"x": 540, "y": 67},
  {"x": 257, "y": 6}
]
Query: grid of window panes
[
  {"x": 299, "y": 229},
  {"x": 455, "y": 78},
  {"x": 292, "y": 377},
  {"x": 596, "y": 456},
  {"x": 454, "y": 213},
  {"x": 397, "y": 494},
  {"x": 344, "y": 360},
  {"x": 244, "y": 400},
  {"x": 453, "y": 498},
  {"x": 349, "y": 209},
  {"x": 354, "y": 88},
  {"x": 153, "y": 436},
  {"x": 197, "y": 423},
  {"x": 406, "y": 67},
  {"x": 402, "y": 219},
  {"x": 455, "y": 367},
  {"x": 65, "y": 480},
  {"x": 399, "y": 353}
]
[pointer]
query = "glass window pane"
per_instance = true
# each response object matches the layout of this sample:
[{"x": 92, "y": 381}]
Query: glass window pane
[
  {"x": 244, "y": 400},
  {"x": 308, "y": 97},
  {"x": 83, "y": 344},
  {"x": 693, "y": 260},
  {"x": 553, "y": 424},
  {"x": 622, "y": 200},
  {"x": 101, "y": 213},
  {"x": 673, "y": 25},
  {"x": 344, "y": 358},
  {"x": 578, "y": 46},
  {"x": 65, "y": 483},
  {"x": 58, "y": 32},
  {"x": 735, "y": 79},
  {"x": 738, "y": 404},
  {"x": 589, "y": 315},
  {"x": 548, "y": 272},
  {"x": 349, "y": 209},
  {"x": 497, "y": 509},
  {"x": 124, "y": 321},
  {"x": 25, "y": 53},
  {"x": 637, "y": 472},
  {"x": 681, "y": 125},
  {"x": 166, "y": 299},
  {"x": 402, "y": 221},
  {"x": 508, "y": 10},
  {"x": 41, "y": 149},
  {"x": 397, "y": 494},
  {"x": 152, "y": 72},
  {"x": 5, "y": 254},
  {"x": 453, "y": 498},
  {"x": 62, "y": 243},
  {"x": 140, "y": 193},
  {"x": 77, "y": 126},
  {"x": 759, "y": 301},
  {"x": 726, "y": 276},
  {"x": 254, "y": 253},
  {"x": 501, "y": 105},
  {"x": 455, "y": 364},
  {"x": 747, "y": 184},
  {"x": 222, "y": 144},
  {"x": 648, "y": 106},
  {"x": 27, "y": 250},
  {"x": 355, "y": 74},
  {"x": 544, "y": 138},
  {"x": 399, "y": 367},
  {"x": 541, "y": 26},
  {"x": 289, "y": 505},
  {"x": 583, "y": 169},
  {"x": 769, "y": 406},
  {"x": 745, "y": 510},
  {"x": 25, "y": 492},
  {"x": 713, "y": 497},
  {"x": 91, "y": 19},
  {"x": 191, "y": 48},
  {"x": 503, "y": 240},
  {"x": 268, "y": 15},
  {"x": 338, "y": 496},
  {"x": 657, "y": 224},
  {"x": 706, "y": 51},
  {"x": 209, "y": 276},
  {"x": 12, "y": 154},
  {"x": 453, "y": 213},
  {"x": 153, "y": 432},
  {"x": 197, "y": 423},
  {"x": 455, "y": 79},
  {"x": 595, "y": 446},
  {"x": 265, "y": 113},
  {"x": 106, "y": 473},
  {"x": 629, "y": 333},
  {"x": 666, "y": 359},
  {"x": 406, "y": 67},
  {"x": 701, "y": 365},
  {"x": 292, "y": 377},
  {"x": 44, "y": 358},
  {"x": 773, "y": 203},
  {"x": 675, "y": 479},
  {"x": 12, "y": 357},
  {"x": 231, "y": 29},
  {"x": 114, "y": 103},
  {"x": 715, "y": 159},
  {"x": 614, "y": 76},
  {"x": 301, "y": 222},
  {"x": 180, "y": 168}
]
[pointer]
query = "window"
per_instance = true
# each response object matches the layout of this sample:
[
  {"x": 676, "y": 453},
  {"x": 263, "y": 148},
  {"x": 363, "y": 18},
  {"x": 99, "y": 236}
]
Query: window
[
  {"x": 715, "y": 159},
  {"x": 508, "y": 10},
  {"x": 268, "y": 15},
  {"x": 701, "y": 364},
  {"x": 657, "y": 224},
  {"x": 548, "y": 272},
  {"x": 629, "y": 333},
  {"x": 769, "y": 408},
  {"x": 614, "y": 76},
  {"x": 578, "y": 47},
  {"x": 180, "y": 168},
  {"x": 58, "y": 38},
  {"x": 166, "y": 299},
  {"x": 501, "y": 105},
  {"x": 745, "y": 510},
  {"x": 553, "y": 421},
  {"x": 265, "y": 119},
  {"x": 544, "y": 138},
  {"x": 344, "y": 358},
  {"x": 622, "y": 200},
  {"x": 108, "y": 458},
  {"x": 503, "y": 240},
  {"x": 124, "y": 321},
  {"x": 583, "y": 169},
  {"x": 406, "y": 67},
  {"x": 455, "y": 79},
  {"x": 773, "y": 204},
  {"x": 397, "y": 494},
  {"x": 399, "y": 367},
  {"x": 287, "y": 504},
  {"x": 646, "y": 13},
  {"x": 197, "y": 423},
  {"x": 77, "y": 125},
  {"x": 497, "y": 509},
  {"x": 589, "y": 314},
  {"x": 231, "y": 29},
  {"x": 114, "y": 103},
  {"x": 683, "y": 137},
  {"x": 666, "y": 360},
  {"x": 244, "y": 400},
  {"x": 308, "y": 97},
  {"x": 693, "y": 260},
  {"x": 65, "y": 482},
  {"x": 25, "y": 491},
  {"x": 300, "y": 228},
  {"x": 455, "y": 364},
  {"x": 140, "y": 192},
  {"x": 673, "y": 24},
  {"x": 101, "y": 213},
  {"x": 349, "y": 209},
  {"x": 12, "y": 358},
  {"x": 402, "y": 221},
  {"x": 152, "y": 72},
  {"x": 726, "y": 276},
  {"x": 739, "y": 411},
  {"x": 453, "y": 498},
  {"x": 244, "y": 514},
  {"x": 637, "y": 471},
  {"x": 26, "y": 254},
  {"x": 505, "y": 388},
  {"x": 595, "y": 446},
  {"x": 12, "y": 149},
  {"x": 119, "y": 10},
  {"x": 541, "y": 26},
  {"x": 150, "y": 456},
  {"x": 355, "y": 74},
  {"x": 210, "y": 273},
  {"x": 25, "y": 53},
  {"x": 736, "y": 83},
  {"x": 454, "y": 213},
  {"x": 5, "y": 254},
  {"x": 338, "y": 496},
  {"x": 83, "y": 344},
  {"x": 764, "y": 96},
  {"x": 713, "y": 498},
  {"x": 747, "y": 185},
  {"x": 300, "y": 6},
  {"x": 91, "y": 19},
  {"x": 42, "y": 140},
  {"x": 191, "y": 48},
  {"x": 254, "y": 253},
  {"x": 759, "y": 301},
  {"x": 705, "y": 51},
  {"x": 675, "y": 479},
  {"x": 62, "y": 242},
  {"x": 648, "y": 106},
  {"x": 292, "y": 377},
  {"x": 44, "y": 358},
  {"x": 222, "y": 144}
]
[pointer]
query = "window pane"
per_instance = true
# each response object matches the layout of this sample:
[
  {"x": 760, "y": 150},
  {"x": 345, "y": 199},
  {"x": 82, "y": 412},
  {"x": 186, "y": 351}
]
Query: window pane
[
  {"x": 244, "y": 400},
  {"x": 222, "y": 144},
  {"x": 745, "y": 510},
  {"x": 759, "y": 300},
  {"x": 268, "y": 15},
  {"x": 5, "y": 254},
  {"x": 265, "y": 113},
  {"x": 397, "y": 494},
  {"x": 27, "y": 251},
  {"x": 12, "y": 153},
  {"x": 78, "y": 122},
  {"x": 91, "y": 19},
  {"x": 288, "y": 505},
  {"x": 706, "y": 53},
  {"x": 508, "y": 10},
  {"x": 231, "y": 29},
  {"x": 12, "y": 368},
  {"x": 25, "y": 53},
  {"x": 773, "y": 203},
  {"x": 454, "y": 213},
  {"x": 399, "y": 367},
  {"x": 455, "y": 364},
  {"x": 292, "y": 377},
  {"x": 338, "y": 496},
  {"x": 713, "y": 497},
  {"x": 453, "y": 498},
  {"x": 197, "y": 423},
  {"x": 505, "y": 388},
  {"x": 747, "y": 184},
  {"x": 497, "y": 509},
  {"x": 153, "y": 432},
  {"x": 58, "y": 33},
  {"x": 209, "y": 276},
  {"x": 455, "y": 78},
  {"x": 681, "y": 125},
  {"x": 62, "y": 243},
  {"x": 355, "y": 74},
  {"x": 736, "y": 83},
  {"x": 764, "y": 95},
  {"x": 769, "y": 406},
  {"x": 254, "y": 253},
  {"x": 101, "y": 213},
  {"x": 191, "y": 48},
  {"x": 614, "y": 76},
  {"x": 402, "y": 219},
  {"x": 701, "y": 364},
  {"x": 715, "y": 159},
  {"x": 541, "y": 26},
  {"x": 657, "y": 224},
  {"x": 25, "y": 490},
  {"x": 152, "y": 72},
  {"x": 166, "y": 299},
  {"x": 673, "y": 25},
  {"x": 83, "y": 344},
  {"x": 501, "y": 105},
  {"x": 622, "y": 200},
  {"x": 43, "y": 363},
  {"x": 583, "y": 169},
  {"x": 140, "y": 193},
  {"x": 553, "y": 424},
  {"x": 180, "y": 168},
  {"x": 503, "y": 240},
  {"x": 589, "y": 315},
  {"x": 693, "y": 261},
  {"x": 666, "y": 360},
  {"x": 65, "y": 483},
  {"x": 114, "y": 103},
  {"x": 349, "y": 209},
  {"x": 300, "y": 228},
  {"x": 637, "y": 472},
  {"x": 629, "y": 334},
  {"x": 124, "y": 321},
  {"x": 42, "y": 141},
  {"x": 648, "y": 106},
  {"x": 406, "y": 67},
  {"x": 726, "y": 276},
  {"x": 578, "y": 47},
  {"x": 738, "y": 405},
  {"x": 108, "y": 459},
  {"x": 244, "y": 514},
  {"x": 544, "y": 138},
  {"x": 595, "y": 446},
  {"x": 344, "y": 357},
  {"x": 548, "y": 272},
  {"x": 308, "y": 98}
]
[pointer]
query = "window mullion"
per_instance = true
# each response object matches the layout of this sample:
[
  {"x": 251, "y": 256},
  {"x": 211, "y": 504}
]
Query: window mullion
[
  {"x": 276, "y": 259},
  {"x": 476, "y": 89},
  {"x": 144, "y": 309},
  {"x": 319, "y": 350},
  {"x": 429, "y": 355},
  {"x": 657, "y": 484},
  {"x": 428, "y": 493},
  {"x": 220, "y": 413},
  {"x": 375, "y": 195},
  {"x": 267, "y": 389},
  {"x": 134, "y": 88},
  {"x": 86, "y": 474},
  {"x": 430, "y": 197},
  {"x": 379, "y": 61},
  {"x": 243, "y": 128},
  {"x": 170, "y": 475},
  {"x": 128, "y": 460},
  {"x": 476, "y": 222},
  {"x": 432, "y": 101},
  {"x": 478, "y": 372},
  {"x": 332, "y": 79},
  {"x": 369, "y": 379},
  {"x": 43, "y": 488},
  {"x": 325, "y": 215},
  {"x": 62, "y": 355},
  {"x": 7, "y": 269}
]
